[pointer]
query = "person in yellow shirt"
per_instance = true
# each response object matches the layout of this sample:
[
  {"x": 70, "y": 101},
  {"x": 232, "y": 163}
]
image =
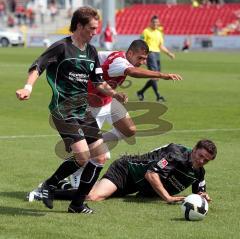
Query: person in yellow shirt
[{"x": 153, "y": 36}]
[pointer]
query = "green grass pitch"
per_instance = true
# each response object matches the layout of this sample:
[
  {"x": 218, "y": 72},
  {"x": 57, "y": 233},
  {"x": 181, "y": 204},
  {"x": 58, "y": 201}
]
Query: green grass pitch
[{"x": 206, "y": 104}]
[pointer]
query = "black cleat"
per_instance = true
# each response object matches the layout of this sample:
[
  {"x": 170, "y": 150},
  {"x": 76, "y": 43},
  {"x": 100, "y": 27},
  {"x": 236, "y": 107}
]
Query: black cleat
[
  {"x": 47, "y": 195},
  {"x": 140, "y": 95},
  {"x": 80, "y": 209},
  {"x": 161, "y": 98}
]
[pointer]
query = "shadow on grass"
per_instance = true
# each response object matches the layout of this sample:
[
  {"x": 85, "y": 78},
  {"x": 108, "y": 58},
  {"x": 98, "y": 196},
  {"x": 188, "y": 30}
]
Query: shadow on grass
[
  {"x": 13, "y": 211},
  {"x": 5, "y": 210},
  {"x": 140, "y": 199},
  {"x": 18, "y": 195},
  {"x": 178, "y": 219}
]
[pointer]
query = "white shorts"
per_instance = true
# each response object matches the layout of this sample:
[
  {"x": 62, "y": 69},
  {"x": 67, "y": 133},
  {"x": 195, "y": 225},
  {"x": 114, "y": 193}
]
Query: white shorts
[{"x": 111, "y": 113}]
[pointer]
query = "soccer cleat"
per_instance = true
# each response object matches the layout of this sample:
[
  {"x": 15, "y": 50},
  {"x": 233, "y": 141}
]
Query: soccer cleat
[
  {"x": 161, "y": 98},
  {"x": 47, "y": 195},
  {"x": 140, "y": 95},
  {"x": 35, "y": 195},
  {"x": 81, "y": 209}
]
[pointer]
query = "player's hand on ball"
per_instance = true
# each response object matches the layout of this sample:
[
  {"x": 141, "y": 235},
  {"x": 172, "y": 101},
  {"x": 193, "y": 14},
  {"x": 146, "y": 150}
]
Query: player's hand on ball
[
  {"x": 205, "y": 195},
  {"x": 174, "y": 199},
  {"x": 23, "y": 94}
]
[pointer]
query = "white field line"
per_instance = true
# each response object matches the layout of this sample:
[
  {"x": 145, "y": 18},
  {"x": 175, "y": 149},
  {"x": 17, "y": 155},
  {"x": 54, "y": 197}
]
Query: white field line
[
  {"x": 3, "y": 137},
  {"x": 203, "y": 130},
  {"x": 27, "y": 136}
]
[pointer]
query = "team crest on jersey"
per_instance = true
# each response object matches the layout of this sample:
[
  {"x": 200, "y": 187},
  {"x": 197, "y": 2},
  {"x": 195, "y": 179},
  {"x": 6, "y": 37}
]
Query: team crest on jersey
[
  {"x": 91, "y": 66},
  {"x": 162, "y": 163}
]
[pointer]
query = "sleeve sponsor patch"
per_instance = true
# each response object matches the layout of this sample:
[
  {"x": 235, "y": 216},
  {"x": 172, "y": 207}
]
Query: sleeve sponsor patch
[{"x": 162, "y": 163}]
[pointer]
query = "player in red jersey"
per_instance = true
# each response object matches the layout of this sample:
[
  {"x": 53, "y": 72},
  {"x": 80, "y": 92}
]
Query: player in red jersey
[{"x": 116, "y": 67}]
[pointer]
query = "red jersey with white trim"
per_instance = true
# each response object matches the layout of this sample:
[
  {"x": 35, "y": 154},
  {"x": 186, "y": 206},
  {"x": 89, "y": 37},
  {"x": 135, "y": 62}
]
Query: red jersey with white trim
[{"x": 113, "y": 65}]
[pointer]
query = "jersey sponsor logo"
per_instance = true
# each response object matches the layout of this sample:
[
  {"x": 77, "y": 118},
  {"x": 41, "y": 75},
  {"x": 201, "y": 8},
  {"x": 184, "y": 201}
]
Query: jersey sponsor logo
[
  {"x": 83, "y": 56},
  {"x": 162, "y": 163},
  {"x": 76, "y": 77}
]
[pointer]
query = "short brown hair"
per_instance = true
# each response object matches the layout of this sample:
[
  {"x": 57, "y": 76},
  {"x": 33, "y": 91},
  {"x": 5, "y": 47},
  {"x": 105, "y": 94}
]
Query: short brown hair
[
  {"x": 208, "y": 145},
  {"x": 83, "y": 15},
  {"x": 138, "y": 45}
]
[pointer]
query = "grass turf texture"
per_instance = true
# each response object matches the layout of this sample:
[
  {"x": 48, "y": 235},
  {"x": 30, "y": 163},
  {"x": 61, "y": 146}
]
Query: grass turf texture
[{"x": 204, "y": 105}]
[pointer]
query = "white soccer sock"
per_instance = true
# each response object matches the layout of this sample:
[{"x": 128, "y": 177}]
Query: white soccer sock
[{"x": 113, "y": 135}]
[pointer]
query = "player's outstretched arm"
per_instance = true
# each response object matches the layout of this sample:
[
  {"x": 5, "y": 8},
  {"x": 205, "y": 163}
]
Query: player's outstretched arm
[
  {"x": 24, "y": 93},
  {"x": 138, "y": 72},
  {"x": 155, "y": 181}
]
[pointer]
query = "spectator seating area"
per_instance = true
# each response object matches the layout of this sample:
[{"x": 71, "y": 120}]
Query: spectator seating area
[{"x": 180, "y": 19}]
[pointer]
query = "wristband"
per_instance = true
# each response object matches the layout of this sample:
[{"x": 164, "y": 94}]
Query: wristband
[{"x": 28, "y": 87}]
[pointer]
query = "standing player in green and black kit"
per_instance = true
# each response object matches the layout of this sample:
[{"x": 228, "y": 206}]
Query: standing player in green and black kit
[{"x": 69, "y": 64}]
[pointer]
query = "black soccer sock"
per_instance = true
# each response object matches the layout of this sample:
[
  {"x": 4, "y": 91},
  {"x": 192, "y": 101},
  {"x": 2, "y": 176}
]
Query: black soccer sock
[
  {"x": 155, "y": 88},
  {"x": 68, "y": 167},
  {"x": 88, "y": 178},
  {"x": 62, "y": 194},
  {"x": 147, "y": 85}
]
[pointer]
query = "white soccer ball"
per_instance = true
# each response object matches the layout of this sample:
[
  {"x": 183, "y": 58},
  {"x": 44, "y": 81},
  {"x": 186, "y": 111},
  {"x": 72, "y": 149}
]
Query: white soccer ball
[{"x": 194, "y": 207}]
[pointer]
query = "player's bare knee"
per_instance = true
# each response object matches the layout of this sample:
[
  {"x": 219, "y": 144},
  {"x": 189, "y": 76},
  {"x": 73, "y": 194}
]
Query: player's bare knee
[
  {"x": 101, "y": 159},
  {"x": 81, "y": 159}
]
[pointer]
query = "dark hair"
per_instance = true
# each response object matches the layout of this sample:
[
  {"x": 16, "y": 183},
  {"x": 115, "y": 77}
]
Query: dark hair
[
  {"x": 208, "y": 145},
  {"x": 83, "y": 15},
  {"x": 138, "y": 45},
  {"x": 154, "y": 18}
]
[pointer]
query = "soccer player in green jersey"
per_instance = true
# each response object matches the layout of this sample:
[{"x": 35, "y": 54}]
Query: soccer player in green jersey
[
  {"x": 163, "y": 172},
  {"x": 70, "y": 63}
]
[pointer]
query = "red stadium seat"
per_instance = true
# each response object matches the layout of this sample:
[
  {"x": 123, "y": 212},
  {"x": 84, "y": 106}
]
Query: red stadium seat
[{"x": 177, "y": 19}]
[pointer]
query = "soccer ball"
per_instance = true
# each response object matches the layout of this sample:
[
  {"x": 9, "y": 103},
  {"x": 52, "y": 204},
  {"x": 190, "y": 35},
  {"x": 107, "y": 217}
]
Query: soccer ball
[{"x": 194, "y": 207}]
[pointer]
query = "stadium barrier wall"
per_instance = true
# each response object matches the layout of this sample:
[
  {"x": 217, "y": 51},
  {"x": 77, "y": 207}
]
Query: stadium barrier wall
[
  {"x": 197, "y": 41},
  {"x": 174, "y": 42}
]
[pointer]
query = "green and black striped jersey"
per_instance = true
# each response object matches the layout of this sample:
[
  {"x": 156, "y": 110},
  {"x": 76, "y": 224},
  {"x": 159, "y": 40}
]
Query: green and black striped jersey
[
  {"x": 173, "y": 164},
  {"x": 68, "y": 70}
]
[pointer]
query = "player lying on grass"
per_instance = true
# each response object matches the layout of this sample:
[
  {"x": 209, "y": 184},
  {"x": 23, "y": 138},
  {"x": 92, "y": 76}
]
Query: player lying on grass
[{"x": 163, "y": 172}]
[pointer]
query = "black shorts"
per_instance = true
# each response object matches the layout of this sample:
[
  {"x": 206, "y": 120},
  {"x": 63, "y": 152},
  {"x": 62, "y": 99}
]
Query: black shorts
[
  {"x": 117, "y": 173},
  {"x": 74, "y": 130}
]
